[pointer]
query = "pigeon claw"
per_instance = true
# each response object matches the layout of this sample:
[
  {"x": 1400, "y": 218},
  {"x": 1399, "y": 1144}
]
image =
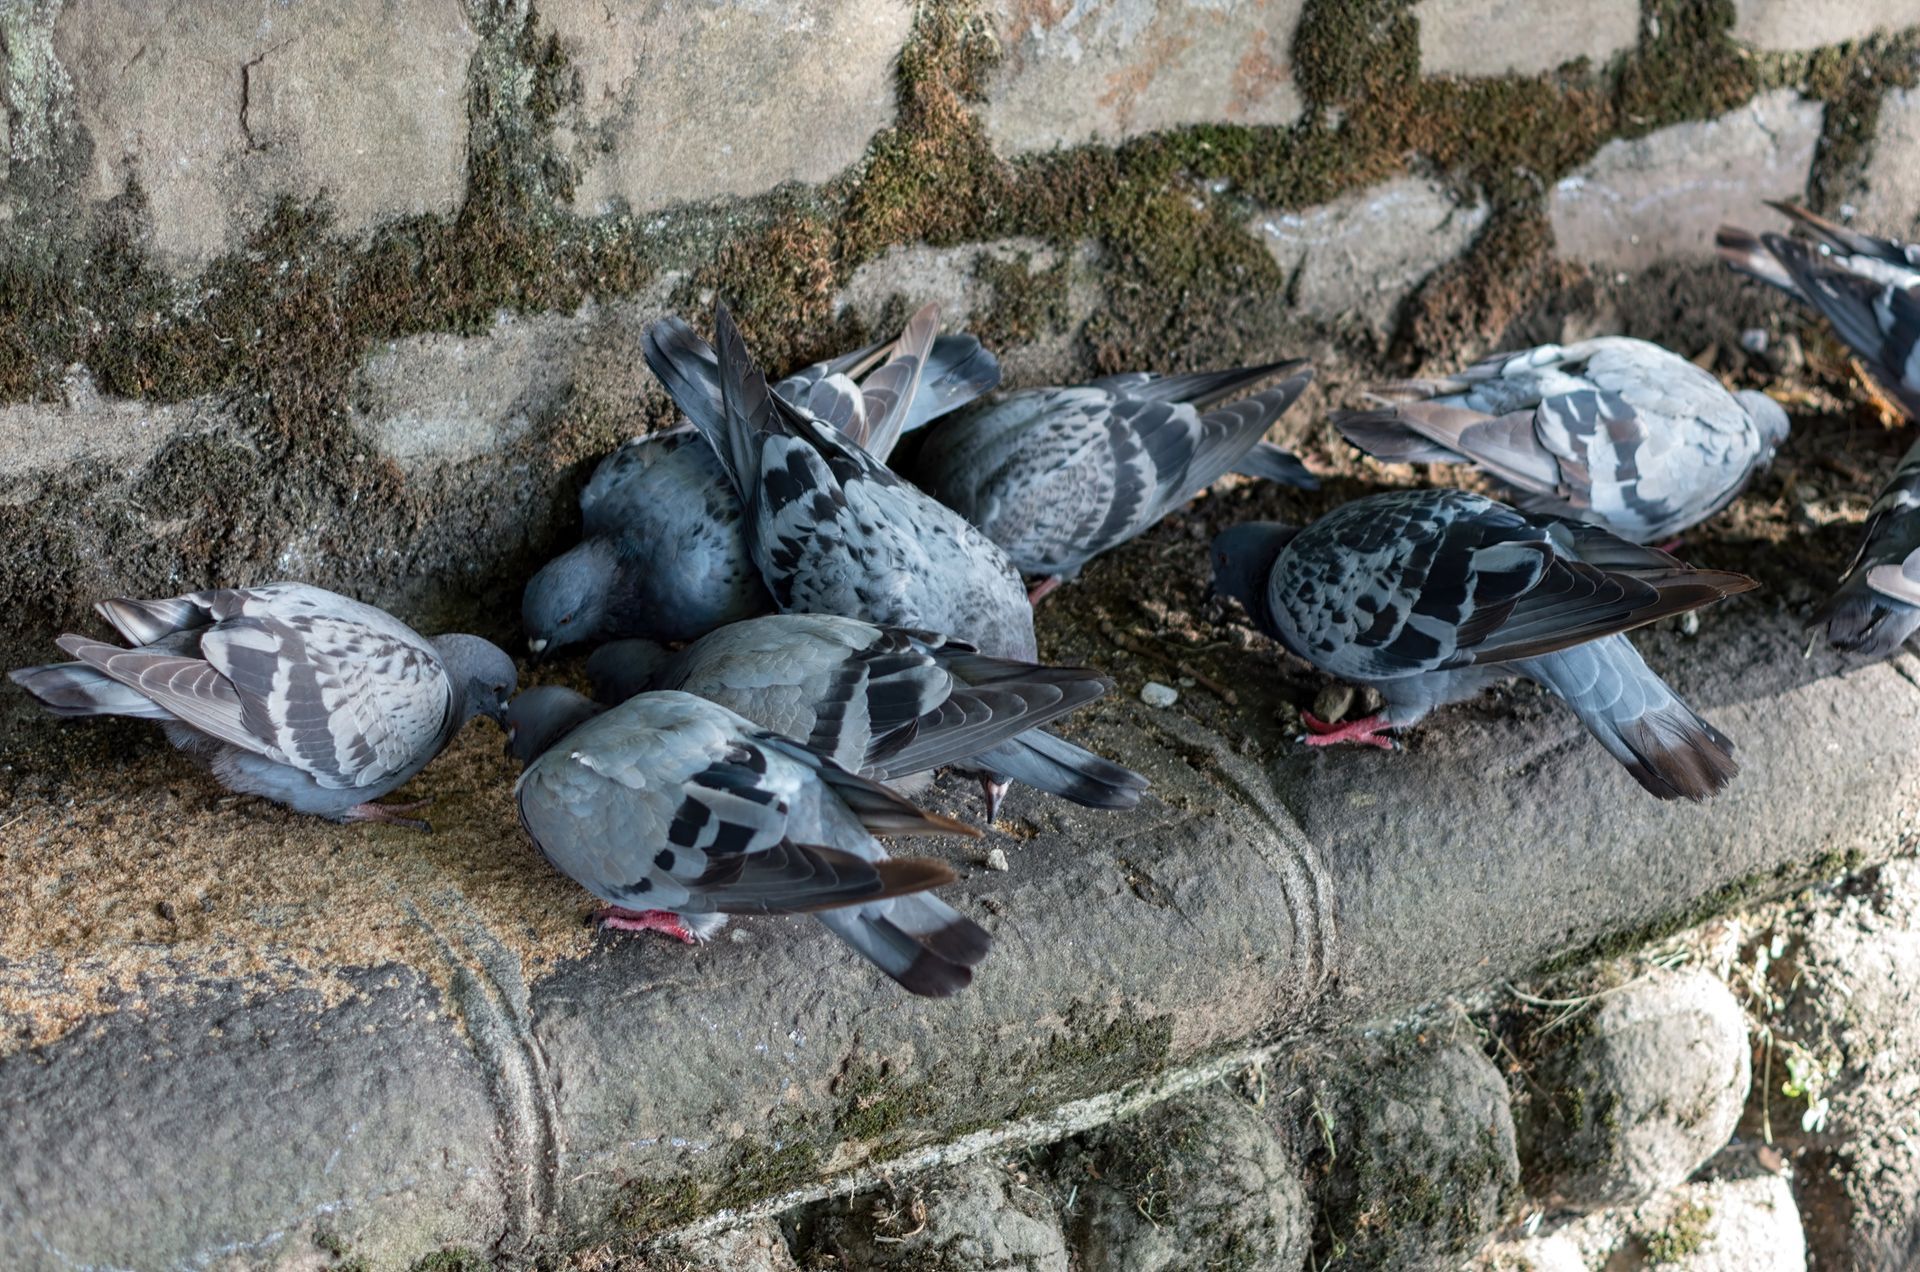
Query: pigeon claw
[
  {"x": 1365, "y": 731},
  {"x": 993, "y": 791},
  {"x": 666, "y": 922},
  {"x": 1043, "y": 589},
  {"x": 389, "y": 814}
]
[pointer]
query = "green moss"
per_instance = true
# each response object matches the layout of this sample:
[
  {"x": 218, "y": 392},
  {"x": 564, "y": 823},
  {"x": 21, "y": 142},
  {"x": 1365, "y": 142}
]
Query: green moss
[
  {"x": 457, "y": 1259},
  {"x": 1683, "y": 1236},
  {"x": 650, "y": 1206},
  {"x": 1686, "y": 66},
  {"x": 874, "y": 1103},
  {"x": 1346, "y": 49},
  {"x": 1759, "y": 886},
  {"x": 1025, "y": 303},
  {"x": 1852, "y": 82}
]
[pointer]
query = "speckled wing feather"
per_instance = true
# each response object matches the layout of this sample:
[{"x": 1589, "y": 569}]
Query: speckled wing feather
[
  {"x": 1423, "y": 581},
  {"x": 1058, "y": 476},
  {"x": 1876, "y": 608},
  {"x": 1874, "y": 307},
  {"x": 884, "y": 701},
  {"x": 337, "y": 690},
  {"x": 673, "y": 803},
  {"x": 833, "y": 531},
  {"x": 1616, "y": 431}
]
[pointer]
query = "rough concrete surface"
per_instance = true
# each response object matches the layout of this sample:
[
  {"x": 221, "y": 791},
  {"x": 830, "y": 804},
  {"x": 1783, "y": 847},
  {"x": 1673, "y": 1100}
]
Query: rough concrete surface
[
  {"x": 1123, "y": 949},
  {"x": 1082, "y": 72},
  {"x": 1363, "y": 253},
  {"x": 1812, "y": 24},
  {"x": 1661, "y": 196},
  {"x": 1889, "y": 202},
  {"x": 215, "y": 118},
  {"x": 684, "y": 102},
  {"x": 1496, "y": 37}
]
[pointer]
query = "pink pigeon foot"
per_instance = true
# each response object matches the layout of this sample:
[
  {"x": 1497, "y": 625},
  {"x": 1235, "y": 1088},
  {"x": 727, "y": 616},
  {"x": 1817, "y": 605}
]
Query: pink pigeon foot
[
  {"x": 665, "y": 922},
  {"x": 389, "y": 814},
  {"x": 993, "y": 792},
  {"x": 1364, "y": 731},
  {"x": 1043, "y": 589}
]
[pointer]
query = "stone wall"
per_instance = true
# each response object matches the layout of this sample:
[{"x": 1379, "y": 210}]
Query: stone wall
[{"x": 351, "y": 290}]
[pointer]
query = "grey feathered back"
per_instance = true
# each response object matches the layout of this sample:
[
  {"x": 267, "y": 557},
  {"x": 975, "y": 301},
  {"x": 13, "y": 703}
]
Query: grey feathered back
[
  {"x": 883, "y": 701},
  {"x": 669, "y": 802},
  {"x": 832, "y": 530},
  {"x": 1057, "y": 476},
  {"x": 293, "y": 692},
  {"x": 1876, "y": 608},
  {"x": 1615, "y": 431},
  {"x": 1867, "y": 287},
  {"x": 1428, "y": 595}
]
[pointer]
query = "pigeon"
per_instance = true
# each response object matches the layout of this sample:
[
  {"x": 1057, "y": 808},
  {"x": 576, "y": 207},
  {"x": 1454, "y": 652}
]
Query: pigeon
[
  {"x": 832, "y": 529},
  {"x": 884, "y": 702},
  {"x": 286, "y": 691},
  {"x": 1867, "y": 287},
  {"x": 663, "y": 552},
  {"x": 1613, "y": 431},
  {"x": 1057, "y": 476},
  {"x": 926, "y": 376},
  {"x": 1877, "y": 607},
  {"x": 1431, "y": 595},
  {"x": 663, "y": 555},
  {"x": 676, "y": 813}
]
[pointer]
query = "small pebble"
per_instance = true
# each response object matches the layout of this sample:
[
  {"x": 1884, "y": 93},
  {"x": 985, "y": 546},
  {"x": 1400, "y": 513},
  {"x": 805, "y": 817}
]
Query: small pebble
[
  {"x": 1754, "y": 340},
  {"x": 1333, "y": 702},
  {"x": 1155, "y": 694},
  {"x": 1371, "y": 703},
  {"x": 997, "y": 860}
]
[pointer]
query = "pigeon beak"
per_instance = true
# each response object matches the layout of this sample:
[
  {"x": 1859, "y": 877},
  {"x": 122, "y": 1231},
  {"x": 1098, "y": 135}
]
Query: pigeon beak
[{"x": 537, "y": 647}]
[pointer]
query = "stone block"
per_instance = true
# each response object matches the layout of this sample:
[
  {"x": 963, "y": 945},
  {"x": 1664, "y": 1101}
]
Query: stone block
[
  {"x": 1798, "y": 25},
  {"x": 1651, "y": 1090},
  {"x": 685, "y": 102},
  {"x": 1890, "y": 202},
  {"x": 1364, "y": 252},
  {"x": 961, "y": 281},
  {"x": 1502, "y": 37},
  {"x": 1662, "y": 196},
  {"x": 1081, "y": 72},
  {"x": 217, "y": 111}
]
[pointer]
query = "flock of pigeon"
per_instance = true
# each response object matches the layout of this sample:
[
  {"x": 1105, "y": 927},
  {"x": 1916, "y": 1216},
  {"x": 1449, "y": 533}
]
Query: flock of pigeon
[{"x": 842, "y": 628}]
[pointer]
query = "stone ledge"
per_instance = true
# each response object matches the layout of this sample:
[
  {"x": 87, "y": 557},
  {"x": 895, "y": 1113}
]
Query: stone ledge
[{"x": 645, "y": 1087}]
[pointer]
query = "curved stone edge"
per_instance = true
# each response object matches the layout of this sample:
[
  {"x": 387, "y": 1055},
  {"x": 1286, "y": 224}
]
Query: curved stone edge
[{"x": 1267, "y": 893}]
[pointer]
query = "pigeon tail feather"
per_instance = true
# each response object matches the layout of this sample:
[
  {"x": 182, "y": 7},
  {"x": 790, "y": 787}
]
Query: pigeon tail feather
[
  {"x": 75, "y": 690},
  {"x": 1662, "y": 741},
  {"x": 1052, "y": 764},
  {"x": 1860, "y": 620},
  {"x": 1743, "y": 250},
  {"x": 921, "y": 942},
  {"x": 1269, "y": 463}
]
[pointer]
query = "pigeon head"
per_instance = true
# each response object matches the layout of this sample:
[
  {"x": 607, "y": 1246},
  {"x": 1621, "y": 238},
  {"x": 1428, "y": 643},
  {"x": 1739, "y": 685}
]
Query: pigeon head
[
  {"x": 1768, "y": 416},
  {"x": 480, "y": 671},
  {"x": 621, "y": 668},
  {"x": 541, "y": 716},
  {"x": 1243, "y": 558},
  {"x": 566, "y": 602}
]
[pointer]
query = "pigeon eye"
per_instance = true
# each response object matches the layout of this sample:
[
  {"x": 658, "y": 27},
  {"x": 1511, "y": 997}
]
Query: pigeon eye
[{"x": 567, "y": 619}]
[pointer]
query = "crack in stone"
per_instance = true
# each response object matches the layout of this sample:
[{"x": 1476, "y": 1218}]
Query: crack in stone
[
  {"x": 489, "y": 991},
  {"x": 1304, "y": 882}
]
